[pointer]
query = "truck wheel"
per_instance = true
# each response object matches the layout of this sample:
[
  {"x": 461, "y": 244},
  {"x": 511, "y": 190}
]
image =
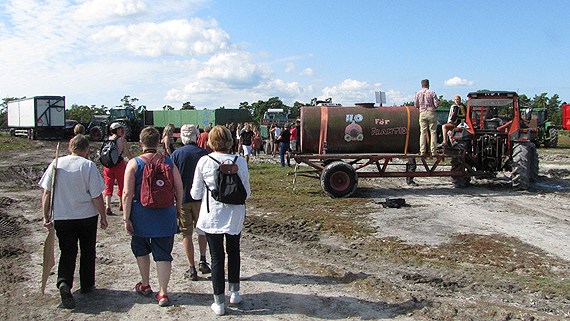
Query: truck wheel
[
  {"x": 339, "y": 179},
  {"x": 96, "y": 134},
  {"x": 534, "y": 163},
  {"x": 12, "y": 132},
  {"x": 522, "y": 161},
  {"x": 553, "y": 133},
  {"x": 31, "y": 134}
]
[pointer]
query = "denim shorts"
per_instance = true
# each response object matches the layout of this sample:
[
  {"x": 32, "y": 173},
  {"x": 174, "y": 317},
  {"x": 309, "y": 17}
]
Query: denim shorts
[{"x": 160, "y": 247}]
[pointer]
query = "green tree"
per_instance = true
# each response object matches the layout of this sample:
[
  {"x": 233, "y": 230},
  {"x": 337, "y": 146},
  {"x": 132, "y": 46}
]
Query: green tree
[
  {"x": 188, "y": 106},
  {"x": 4, "y": 111},
  {"x": 83, "y": 114},
  {"x": 167, "y": 107}
]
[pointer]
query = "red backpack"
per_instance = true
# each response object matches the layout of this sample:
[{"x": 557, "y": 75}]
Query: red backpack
[{"x": 157, "y": 188}]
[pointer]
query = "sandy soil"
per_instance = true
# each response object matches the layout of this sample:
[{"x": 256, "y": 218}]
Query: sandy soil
[{"x": 480, "y": 253}]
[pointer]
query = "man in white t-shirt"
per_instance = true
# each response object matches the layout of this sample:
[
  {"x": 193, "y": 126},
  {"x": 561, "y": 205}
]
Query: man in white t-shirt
[{"x": 77, "y": 204}]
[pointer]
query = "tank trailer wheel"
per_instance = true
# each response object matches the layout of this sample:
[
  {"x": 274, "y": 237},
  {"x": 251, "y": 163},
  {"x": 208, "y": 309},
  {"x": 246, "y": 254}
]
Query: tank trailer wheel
[
  {"x": 96, "y": 134},
  {"x": 522, "y": 163},
  {"x": 339, "y": 179}
]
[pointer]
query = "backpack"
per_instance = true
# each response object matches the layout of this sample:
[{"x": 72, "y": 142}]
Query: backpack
[
  {"x": 157, "y": 188},
  {"x": 229, "y": 187},
  {"x": 108, "y": 155}
]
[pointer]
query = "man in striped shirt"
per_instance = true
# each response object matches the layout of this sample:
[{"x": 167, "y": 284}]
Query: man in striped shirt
[{"x": 427, "y": 102}]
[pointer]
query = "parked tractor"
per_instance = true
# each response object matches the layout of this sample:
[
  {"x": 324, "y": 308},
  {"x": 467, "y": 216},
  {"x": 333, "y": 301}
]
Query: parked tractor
[
  {"x": 547, "y": 133},
  {"x": 495, "y": 137},
  {"x": 132, "y": 122}
]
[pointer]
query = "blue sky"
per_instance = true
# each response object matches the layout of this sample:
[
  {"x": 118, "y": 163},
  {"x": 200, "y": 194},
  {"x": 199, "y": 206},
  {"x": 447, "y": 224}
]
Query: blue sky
[{"x": 219, "y": 53}]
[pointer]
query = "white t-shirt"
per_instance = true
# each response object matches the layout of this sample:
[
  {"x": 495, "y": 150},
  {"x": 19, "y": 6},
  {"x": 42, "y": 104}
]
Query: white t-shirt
[
  {"x": 222, "y": 218},
  {"x": 77, "y": 182}
]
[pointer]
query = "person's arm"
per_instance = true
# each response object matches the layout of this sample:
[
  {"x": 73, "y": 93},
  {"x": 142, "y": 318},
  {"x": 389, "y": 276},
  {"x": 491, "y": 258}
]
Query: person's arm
[
  {"x": 100, "y": 205},
  {"x": 435, "y": 100},
  {"x": 126, "y": 148},
  {"x": 46, "y": 209},
  {"x": 417, "y": 101},
  {"x": 128, "y": 194},
  {"x": 178, "y": 190},
  {"x": 197, "y": 191}
]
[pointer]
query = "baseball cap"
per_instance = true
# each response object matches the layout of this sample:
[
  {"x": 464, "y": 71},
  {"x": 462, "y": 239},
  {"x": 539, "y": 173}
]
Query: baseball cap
[{"x": 116, "y": 125}]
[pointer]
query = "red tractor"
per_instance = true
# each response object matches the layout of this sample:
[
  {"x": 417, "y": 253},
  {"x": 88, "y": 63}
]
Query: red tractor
[{"x": 495, "y": 137}]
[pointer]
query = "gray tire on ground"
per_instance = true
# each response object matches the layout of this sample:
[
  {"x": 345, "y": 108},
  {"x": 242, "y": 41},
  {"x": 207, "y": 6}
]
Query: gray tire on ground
[
  {"x": 339, "y": 179},
  {"x": 522, "y": 161}
]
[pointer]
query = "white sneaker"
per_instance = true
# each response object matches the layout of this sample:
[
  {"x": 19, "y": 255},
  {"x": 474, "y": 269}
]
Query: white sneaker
[
  {"x": 235, "y": 298},
  {"x": 219, "y": 309}
]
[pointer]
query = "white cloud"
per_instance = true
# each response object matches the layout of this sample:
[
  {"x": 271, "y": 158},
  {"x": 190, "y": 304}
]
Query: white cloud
[
  {"x": 395, "y": 97},
  {"x": 176, "y": 37},
  {"x": 350, "y": 91},
  {"x": 457, "y": 81},
  {"x": 97, "y": 10},
  {"x": 290, "y": 67},
  {"x": 307, "y": 72}
]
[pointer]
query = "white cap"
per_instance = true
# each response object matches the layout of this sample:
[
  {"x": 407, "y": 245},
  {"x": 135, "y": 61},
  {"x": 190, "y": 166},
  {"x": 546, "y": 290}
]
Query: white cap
[
  {"x": 188, "y": 134},
  {"x": 116, "y": 125}
]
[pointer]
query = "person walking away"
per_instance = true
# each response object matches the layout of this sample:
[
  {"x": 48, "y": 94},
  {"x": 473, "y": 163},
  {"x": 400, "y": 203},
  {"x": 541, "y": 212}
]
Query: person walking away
[
  {"x": 246, "y": 140},
  {"x": 221, "y": 221},
  {"x": 276, "y": 134},
  {"x": 117, "y": 172},
  {"x": 284, "y": 140},
  {"x": 456, "y": 113},
  {"x": 426, "y": 101},
  {"x": 202, "y": 141},
  {"x": 294, "y": 137},
  {"x": 152, "y": 229},
  {"x": 257, "y": 142},
  {"x": 185, "y": 159},
  {"x": 168, "y": 139},
  {"x": 77, "y": 205}
]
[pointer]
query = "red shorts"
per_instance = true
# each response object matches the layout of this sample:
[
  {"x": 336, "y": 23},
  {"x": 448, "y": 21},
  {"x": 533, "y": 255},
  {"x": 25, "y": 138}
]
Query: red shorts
[{"x": 117, "y": 173}]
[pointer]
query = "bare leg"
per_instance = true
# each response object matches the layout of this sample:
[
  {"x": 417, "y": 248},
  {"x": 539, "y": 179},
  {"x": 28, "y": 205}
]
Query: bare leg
[
  {"x": 144, "y": 268},
  {"x": 202, "y": 243},
  {"x": 108, "y": 201},
  {"x": 189, "y": 249},
  {"x": 163, "y": 268}
]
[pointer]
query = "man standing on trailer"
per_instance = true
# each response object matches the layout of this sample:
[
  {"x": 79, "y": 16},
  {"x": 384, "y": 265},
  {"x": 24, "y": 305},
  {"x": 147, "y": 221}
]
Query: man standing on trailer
[{"x": 427, "y": 102}]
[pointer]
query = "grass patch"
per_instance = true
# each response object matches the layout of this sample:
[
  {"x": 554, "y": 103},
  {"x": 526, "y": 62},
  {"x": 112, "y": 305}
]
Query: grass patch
[
  {"x": 273, "y": 196},
  {"x": 8, "y": 143}
]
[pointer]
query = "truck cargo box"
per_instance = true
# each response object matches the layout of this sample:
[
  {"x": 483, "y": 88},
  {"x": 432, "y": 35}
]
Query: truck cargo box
[{"x": 37, "y": 117}]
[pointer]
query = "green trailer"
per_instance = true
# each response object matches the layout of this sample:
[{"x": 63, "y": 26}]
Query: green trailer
[{"x": 222, "y": 116}]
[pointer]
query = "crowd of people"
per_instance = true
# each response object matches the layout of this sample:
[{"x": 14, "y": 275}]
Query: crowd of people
[{"x": 77, "y": 197}]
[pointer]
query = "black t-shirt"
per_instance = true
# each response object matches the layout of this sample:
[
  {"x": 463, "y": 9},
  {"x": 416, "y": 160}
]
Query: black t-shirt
[
  {"x": 246, "y": 137},
  {"x": 285, "y": 136}
]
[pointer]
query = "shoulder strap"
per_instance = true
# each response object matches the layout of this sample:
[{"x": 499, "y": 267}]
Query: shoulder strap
[
  {"x": 215, "y": 160},
  {"x": 235, "y": 159}
]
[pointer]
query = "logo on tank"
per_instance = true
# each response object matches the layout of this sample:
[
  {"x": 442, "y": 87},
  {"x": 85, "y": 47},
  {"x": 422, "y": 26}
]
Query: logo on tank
[{"x": 353, "y": 131}]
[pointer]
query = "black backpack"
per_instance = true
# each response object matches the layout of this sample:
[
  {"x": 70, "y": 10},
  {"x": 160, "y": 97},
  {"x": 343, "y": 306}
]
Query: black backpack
[
  {"x": 109, "y": 156},
  {"x": 229, "y": 188}
]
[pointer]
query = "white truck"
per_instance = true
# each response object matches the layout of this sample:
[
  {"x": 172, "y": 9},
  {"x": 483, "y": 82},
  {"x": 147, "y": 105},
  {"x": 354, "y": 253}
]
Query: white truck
[{"x": 39, "y": 117}]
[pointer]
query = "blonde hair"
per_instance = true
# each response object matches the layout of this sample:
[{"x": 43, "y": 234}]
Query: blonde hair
[
  {"x": 79, "y": 129},
  {"x": 150, "y": 137},
  {"x": 168, "y": 130},
  {"x": 78, "y": 143},
  {"x": 220, "y": 139}
]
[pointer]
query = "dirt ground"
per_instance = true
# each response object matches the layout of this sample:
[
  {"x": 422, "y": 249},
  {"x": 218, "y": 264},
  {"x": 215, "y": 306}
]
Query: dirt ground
[{"x": 485, "y": 252}]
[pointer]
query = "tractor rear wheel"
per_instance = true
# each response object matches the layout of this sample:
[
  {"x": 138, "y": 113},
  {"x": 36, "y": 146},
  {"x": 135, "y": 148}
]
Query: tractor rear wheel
[
  {"x": 533, "y": 163},
  {"x": 553, "y": 138},
  {"x": 522, "y": 164},
  {"x": 339, "y": 179},
  {"x": 459, "y": 181},
  {"x": 128, "y": 130},
  {"x": 96, "y": 134}
]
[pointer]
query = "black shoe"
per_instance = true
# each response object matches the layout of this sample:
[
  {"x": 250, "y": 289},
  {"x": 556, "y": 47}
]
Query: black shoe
[
  {"x": 412, "y": 183},
  {"x": 67, "y": 300},
  {"x": 191, "y": 274},
  {"x": 204, "y": 267}
]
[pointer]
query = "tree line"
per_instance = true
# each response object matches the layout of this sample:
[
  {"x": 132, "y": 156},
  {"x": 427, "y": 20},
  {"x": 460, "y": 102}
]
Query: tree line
[{"x": 84, "y": 113}]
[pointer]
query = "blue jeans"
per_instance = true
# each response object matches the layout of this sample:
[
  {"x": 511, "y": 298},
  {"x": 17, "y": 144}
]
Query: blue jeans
[
  {"x": 216, "y": 245},
  {"x": 283, "y": 148}
]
